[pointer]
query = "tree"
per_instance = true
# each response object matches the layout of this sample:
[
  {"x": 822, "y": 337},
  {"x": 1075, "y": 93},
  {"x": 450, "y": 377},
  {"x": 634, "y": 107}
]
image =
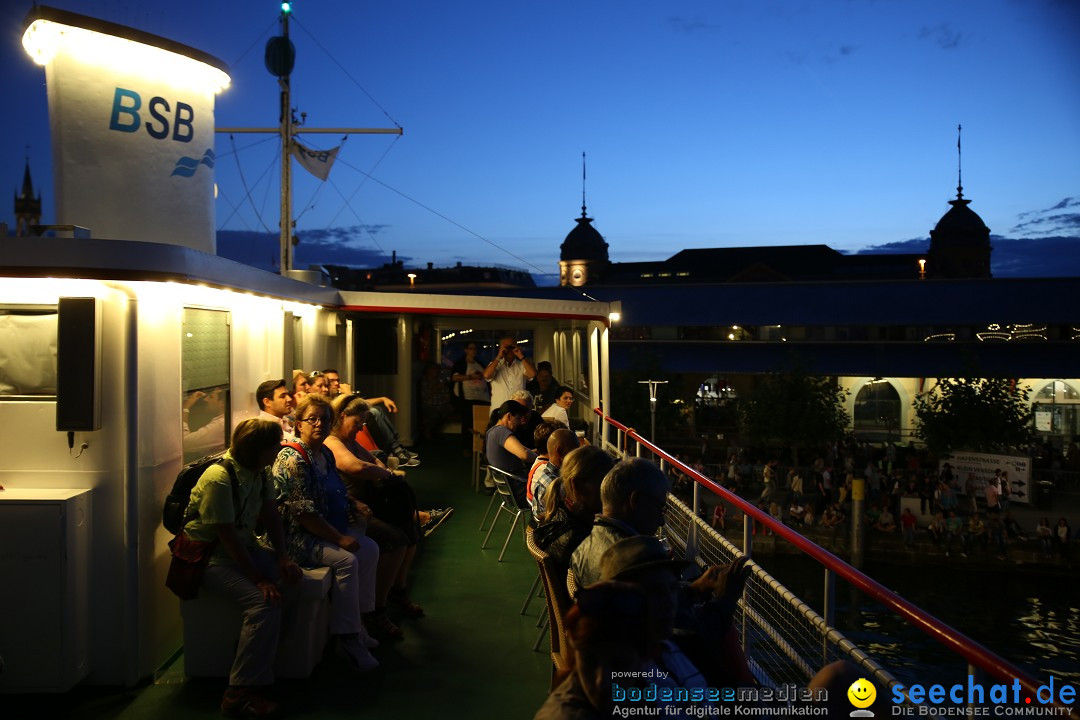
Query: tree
[
  {"x": 791, "y": 409},
  {"x": 979, "y": 414}
]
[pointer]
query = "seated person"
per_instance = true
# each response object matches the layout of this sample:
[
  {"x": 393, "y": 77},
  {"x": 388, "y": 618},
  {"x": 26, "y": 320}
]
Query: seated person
[
  {"x": 323, "y": 528},
  {"x": 936, "y": 528},
  {"x": 701, "y": 646},
  {"x": 241, "y": 570},
  {"x": 976, "y": 533},
  {"x": 609, "y": 646},
  {"x": 795, "y": 513},
  {"x": 316, "y": 384},
  {"x": 501, "y": 445},
  {"x": 334, "y": 386},
  {"x": 393, "y": 523},
  {"x": 384, "y": 433},
  {"x": 299, "y": 385},
  {"x": 558, "y": 409},
  {"x": 885, "y": 522},
  {"x": 559, "y": 444},
  {"x": 526, "y": 432},
  {"x": 275, "y": 404},
  {"x": 1012, "y": 528},
  {"x": 832, "y": 517},
  {"x": 540, "y": 437},
  {"x": 572, "y": 503},
  {"x": 633, "y": 496}
]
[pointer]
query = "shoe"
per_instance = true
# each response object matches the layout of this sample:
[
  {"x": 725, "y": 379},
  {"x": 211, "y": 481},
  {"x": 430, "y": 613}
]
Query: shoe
[
  {"x": 381, "y": 626},
  {"x": 404, "y": 460},
  {"x": 400, "y": 597},
  {"x": 351, "y": 651},
  {"x": 244, "y": 702},
  {"x": 369, "y": 642},
  {"x": 438, "y": 517}
]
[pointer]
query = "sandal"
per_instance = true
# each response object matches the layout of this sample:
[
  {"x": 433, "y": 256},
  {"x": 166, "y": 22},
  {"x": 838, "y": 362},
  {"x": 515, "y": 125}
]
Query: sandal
[
  {"x": 400, "y": 597},
  {"x": 380, "y": 626}
]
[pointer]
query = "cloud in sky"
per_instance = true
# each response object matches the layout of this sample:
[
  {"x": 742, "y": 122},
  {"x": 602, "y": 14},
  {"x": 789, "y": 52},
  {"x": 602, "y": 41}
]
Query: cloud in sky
[
  {"x": 821, "y": 56},
  {"x": 1049, "y": 221},
  {"x": 943, "y": 34},
  {"x": 691, "y": 25},
  {"x": 339, "y": 246}
]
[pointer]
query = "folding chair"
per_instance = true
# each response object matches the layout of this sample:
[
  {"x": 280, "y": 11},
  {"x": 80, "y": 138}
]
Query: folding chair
[
  {"x": 510, "y": 489},
  {"x": 491, "y": 503}
]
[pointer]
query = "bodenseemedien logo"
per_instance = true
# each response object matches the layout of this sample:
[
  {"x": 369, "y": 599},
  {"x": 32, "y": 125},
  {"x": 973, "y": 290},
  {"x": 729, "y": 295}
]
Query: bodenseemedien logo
[
  {"x": 862, "y": 694},
  {"x": 973, "y": 699}
]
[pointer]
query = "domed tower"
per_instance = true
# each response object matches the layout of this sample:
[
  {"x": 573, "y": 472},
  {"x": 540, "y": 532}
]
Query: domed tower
[
  {"x": 960, "y": 243},
  {"x": 27, "y": 207},
  {"x": 583, "y": 255}
]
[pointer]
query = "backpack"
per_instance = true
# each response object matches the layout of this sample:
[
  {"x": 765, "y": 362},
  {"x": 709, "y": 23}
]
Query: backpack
[{"x": 174, "y": 512}]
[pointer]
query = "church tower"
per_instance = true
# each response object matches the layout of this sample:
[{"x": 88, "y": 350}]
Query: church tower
[
  {"x": 583, "y": 255},
  {"x": 27, "y": 207},
  {"x": 960, "y": 243}
]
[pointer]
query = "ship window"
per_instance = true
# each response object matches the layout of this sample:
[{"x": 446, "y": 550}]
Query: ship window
[
  {"x": 28, "y": 352},
  {"x": 204, "y": 378}
]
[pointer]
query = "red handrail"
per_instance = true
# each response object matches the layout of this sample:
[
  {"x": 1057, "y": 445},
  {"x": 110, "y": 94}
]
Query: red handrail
[{"x": 977, "y": 655}]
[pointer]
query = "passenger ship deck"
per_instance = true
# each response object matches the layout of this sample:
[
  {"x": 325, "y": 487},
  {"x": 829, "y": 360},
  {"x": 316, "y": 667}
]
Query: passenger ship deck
[{"x": 470, "y": 657}]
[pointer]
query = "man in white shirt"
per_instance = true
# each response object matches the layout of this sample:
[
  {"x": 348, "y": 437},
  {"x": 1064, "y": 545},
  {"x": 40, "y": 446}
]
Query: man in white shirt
[
  {"x": 508, "y": 371},
  {"x": 564, "y": 398},
  {"x": 276, "y": 404}
]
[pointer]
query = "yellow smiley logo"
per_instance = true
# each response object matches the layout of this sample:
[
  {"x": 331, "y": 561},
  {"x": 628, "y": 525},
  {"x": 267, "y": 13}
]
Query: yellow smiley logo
[{"x": 862, "y": 693}]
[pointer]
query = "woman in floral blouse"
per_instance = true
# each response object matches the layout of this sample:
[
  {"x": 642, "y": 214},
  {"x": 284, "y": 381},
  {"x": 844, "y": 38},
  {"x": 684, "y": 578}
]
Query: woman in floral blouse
[{"x": 324, "y": 527}]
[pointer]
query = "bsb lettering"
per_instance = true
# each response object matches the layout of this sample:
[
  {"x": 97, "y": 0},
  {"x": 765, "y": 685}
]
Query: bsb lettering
[{"x": 125, "y": 116}]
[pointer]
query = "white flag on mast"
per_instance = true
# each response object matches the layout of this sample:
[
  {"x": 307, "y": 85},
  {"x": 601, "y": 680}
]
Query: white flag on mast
[{"x": 316, "y": 162}]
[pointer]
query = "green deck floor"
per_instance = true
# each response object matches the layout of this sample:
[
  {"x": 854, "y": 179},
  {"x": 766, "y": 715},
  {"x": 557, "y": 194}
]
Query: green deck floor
[{"x": 471, "y": 657}]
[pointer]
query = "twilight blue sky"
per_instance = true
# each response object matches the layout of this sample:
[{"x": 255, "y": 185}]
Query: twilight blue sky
[{"x": 706, "y": 124}]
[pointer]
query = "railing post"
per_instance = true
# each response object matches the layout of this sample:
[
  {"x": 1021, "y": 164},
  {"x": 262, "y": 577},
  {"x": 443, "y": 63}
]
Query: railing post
[
  {"x": 829, "y": 613},
  {"x": 692, "y": 535},
  {"x": 747, "y": 546},
  {"x": 747, "y": 534}
]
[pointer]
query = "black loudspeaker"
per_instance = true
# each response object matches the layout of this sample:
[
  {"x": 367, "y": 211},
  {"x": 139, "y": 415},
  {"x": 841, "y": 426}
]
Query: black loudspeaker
[{"x": 78, "y": 364}]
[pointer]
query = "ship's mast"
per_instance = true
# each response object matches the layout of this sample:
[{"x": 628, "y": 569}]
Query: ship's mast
[
  {"x": 286, "y": 155},
  {"x": 280, "y": 57}
]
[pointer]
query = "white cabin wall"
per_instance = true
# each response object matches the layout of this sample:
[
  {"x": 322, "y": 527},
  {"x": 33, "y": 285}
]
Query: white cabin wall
[
  {"x": 40, "y": 459},
  {"x": 256, "y": 340}
]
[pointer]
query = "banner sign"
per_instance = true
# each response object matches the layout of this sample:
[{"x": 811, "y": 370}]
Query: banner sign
[{"x": 980, "y": 468}]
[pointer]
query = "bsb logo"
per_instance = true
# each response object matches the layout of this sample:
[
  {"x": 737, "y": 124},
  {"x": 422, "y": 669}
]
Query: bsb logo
[{"x": 125, "y": 117}]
